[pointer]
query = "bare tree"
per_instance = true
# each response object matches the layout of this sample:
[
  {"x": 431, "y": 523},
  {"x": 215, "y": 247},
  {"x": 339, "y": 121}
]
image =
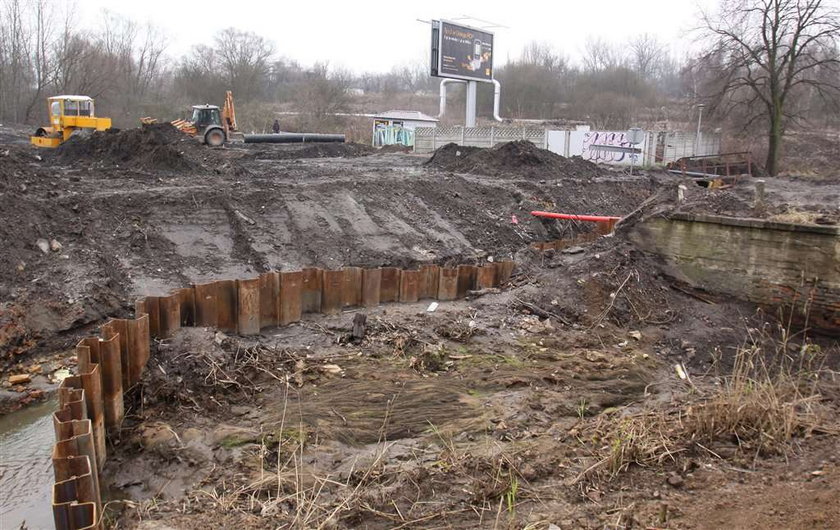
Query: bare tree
[
  {"x": 765, "y": 52},
  {"x": 599, "y": 54},
  {"x": 244, "y": 59},
  {"x": 325, "y": 92},
  {"x": 647, "y": 55}
]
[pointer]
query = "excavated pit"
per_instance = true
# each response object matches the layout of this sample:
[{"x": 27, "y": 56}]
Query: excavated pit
[{"x": 433, "y": 418}]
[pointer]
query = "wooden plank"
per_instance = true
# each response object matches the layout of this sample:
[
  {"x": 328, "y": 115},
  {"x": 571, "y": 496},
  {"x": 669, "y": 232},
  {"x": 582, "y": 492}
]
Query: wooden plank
[
  {"x": 248, "y": 306},
  {"x": 291, "y": 297},
  {"x": 389, "y": 285}
]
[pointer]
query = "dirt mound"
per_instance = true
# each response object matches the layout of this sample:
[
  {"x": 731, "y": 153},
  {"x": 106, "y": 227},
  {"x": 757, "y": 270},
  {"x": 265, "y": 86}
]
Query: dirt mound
[
  {"x": 520, "y": 158},
  {"x": 157, "y": 146},
  {"x": 314, "y": 150}
]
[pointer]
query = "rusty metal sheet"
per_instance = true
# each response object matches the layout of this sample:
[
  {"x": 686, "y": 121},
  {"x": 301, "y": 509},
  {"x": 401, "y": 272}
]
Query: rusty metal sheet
[
  {"x": 371, "y": 287},
  {"x": 503, "y": 271},
  {"x": 332, "y": 292},
  {"x": 112, "y": 389},
  {"x": 448, "y": 287},
  {"x": 351, "y": 295},
  {"x": 119, "y": 327},
  {"x": 87, "y": 353},
  {"x": 78, "y": 466},
  {"x": 170, "y": 315},
  {"x": 71, "y": 400},
  {"x": 311, "y": 290},
  {"x": 248, "y": 306},
  {"x": 226, "y": 310},
  {"x": 466, "y": 279},
  {"x": 151, "y": 307},
  {"x": 291, "y": 297},
  {"x": 269, "y": 299},
  {"x": 410, "y": 285},
  {"x": 389, "y": 290},
  {"x": 138, "y": 348},
  {"x": 429, "y": 282},
  {"x": 486, "y": 277},
  {"x": 206, "y": 314},
  {"x": 186, "y": 299},
  {"x": 68, "y": 514}
]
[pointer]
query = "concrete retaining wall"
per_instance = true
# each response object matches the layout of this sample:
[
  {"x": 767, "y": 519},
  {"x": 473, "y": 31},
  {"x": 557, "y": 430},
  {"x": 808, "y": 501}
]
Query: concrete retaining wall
[{"x": 778, "y": 265}]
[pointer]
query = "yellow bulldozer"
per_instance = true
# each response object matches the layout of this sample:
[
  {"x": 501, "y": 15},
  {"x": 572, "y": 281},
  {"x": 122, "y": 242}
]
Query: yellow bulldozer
[{"x": 69, "y": 116}]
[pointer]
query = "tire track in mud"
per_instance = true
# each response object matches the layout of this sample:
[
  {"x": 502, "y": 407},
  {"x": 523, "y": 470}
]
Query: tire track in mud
[{"x": 243, "y": 249}]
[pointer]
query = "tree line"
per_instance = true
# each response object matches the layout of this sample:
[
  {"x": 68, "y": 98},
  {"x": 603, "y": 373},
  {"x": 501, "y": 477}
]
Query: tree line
[{"x": 763, "y": 65}]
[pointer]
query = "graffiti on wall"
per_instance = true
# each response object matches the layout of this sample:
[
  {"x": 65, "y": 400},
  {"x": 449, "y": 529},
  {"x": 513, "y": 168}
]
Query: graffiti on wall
[{"x": 612, "y": 138}]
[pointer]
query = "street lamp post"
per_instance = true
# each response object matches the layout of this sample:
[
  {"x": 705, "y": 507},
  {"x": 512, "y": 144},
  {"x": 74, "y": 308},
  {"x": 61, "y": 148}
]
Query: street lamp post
[{"x": 699, "y": 121}]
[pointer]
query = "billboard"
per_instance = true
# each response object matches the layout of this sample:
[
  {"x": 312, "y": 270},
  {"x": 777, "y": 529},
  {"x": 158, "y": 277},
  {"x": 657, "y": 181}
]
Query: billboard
[{"x": 461, "y": 52}]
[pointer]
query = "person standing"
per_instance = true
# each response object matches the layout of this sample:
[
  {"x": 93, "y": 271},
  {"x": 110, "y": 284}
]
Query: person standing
[{"x": 276, "y": 127}]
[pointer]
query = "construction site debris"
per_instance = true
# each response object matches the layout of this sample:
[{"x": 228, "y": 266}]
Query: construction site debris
[{"x": 19, "y": 379}]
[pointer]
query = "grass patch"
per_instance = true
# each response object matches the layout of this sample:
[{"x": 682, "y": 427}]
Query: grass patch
[{"x": 766, "y": 402}]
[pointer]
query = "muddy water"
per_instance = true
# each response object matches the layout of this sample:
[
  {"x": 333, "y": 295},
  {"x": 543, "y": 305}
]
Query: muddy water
[{"x": 26, "y": 477}]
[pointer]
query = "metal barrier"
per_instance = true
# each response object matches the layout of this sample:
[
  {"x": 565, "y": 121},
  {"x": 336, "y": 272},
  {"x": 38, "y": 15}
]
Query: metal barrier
[{"x": 91, "y": 403}]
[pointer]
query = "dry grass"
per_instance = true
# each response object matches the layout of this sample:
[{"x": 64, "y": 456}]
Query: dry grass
[
  {"x": 797, "y": 217},
  {"x": 767, "y": 401}
]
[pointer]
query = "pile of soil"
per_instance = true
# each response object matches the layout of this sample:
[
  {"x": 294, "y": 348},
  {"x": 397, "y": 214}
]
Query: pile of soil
[
  {"x": 16, "y": 164},
  {"x": 314, "y": 150},
  {"x": 156, "y": 146},
  {"x": 520, "y": 158}
]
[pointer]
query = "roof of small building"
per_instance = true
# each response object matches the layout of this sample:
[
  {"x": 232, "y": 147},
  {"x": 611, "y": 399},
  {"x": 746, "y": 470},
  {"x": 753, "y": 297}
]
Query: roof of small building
[
  {"x": 72, "y": 97},
  {"x": 405, "y": 115}
]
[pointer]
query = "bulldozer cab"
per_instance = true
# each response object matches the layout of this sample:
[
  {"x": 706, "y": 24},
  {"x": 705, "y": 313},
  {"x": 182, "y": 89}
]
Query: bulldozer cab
[
  {"x": 69, "y": 106},
  {"x": 205, "y": 115},
  {"x": 68, "y": 115}
]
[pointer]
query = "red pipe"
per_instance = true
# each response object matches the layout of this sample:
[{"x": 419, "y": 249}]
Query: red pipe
[{"x": 576, "y": 217}]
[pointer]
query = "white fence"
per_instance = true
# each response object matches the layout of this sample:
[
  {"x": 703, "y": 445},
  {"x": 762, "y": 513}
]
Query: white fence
[{"x": 657, "y": 147}]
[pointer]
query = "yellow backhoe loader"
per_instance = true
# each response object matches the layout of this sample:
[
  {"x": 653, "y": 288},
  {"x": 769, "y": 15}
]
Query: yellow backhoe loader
[
  {"x": 208, "y": 123},
  {"x": 69, "y": 116}
]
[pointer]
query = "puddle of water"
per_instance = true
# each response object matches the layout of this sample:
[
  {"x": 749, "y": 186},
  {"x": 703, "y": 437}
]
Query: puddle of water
[{"x": 26, "y": 475}]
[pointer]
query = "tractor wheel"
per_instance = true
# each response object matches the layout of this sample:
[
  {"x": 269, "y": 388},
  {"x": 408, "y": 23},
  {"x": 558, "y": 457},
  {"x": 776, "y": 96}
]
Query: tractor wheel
[
  {"x": 41, "y": 132},
  {"x": 214, "y": 138}
]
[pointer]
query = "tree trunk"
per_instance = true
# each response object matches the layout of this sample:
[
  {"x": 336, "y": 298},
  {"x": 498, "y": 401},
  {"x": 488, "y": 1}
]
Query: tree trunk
[{"x": 774, "y": 143}]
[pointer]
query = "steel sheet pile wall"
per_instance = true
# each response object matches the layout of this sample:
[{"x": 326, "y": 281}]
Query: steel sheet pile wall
[
  {"x": 89, "y": 404},
  {"x": 92, "y": 402}
]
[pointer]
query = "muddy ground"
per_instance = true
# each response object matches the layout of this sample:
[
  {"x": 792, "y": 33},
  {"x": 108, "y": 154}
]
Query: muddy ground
[{"x": 529, "y": 407}]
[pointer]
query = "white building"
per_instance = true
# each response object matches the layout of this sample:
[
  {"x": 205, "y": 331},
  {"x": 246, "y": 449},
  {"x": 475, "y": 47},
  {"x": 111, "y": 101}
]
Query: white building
[{"x": 396, "y": 127}]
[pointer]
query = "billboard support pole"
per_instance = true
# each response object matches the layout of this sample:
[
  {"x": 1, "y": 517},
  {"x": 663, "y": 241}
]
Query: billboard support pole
[{"x": 472, "y": 92}]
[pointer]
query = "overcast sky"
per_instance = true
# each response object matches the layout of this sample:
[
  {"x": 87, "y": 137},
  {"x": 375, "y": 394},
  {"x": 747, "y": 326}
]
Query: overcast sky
[{"x": 375, "y": 36}]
